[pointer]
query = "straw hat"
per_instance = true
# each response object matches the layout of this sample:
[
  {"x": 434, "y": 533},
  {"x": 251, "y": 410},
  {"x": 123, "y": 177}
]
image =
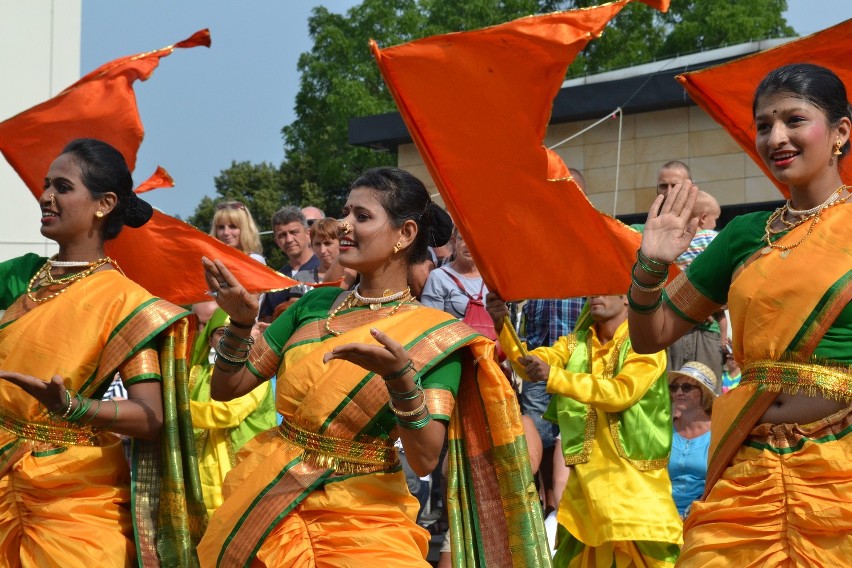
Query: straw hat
[{"x": 698, "y": 372}]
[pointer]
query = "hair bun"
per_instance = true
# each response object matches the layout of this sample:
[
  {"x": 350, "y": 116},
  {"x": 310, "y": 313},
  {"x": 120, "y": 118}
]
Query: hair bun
[
  {"x": 137, "y": 212},
  {"x": 441, "y": 224}
]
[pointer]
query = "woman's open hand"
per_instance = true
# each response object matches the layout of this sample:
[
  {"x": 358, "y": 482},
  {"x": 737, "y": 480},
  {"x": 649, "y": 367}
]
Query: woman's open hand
[
  {"x": 670, "y": 225},
  {"x": 51, "y": 394},
  {"x": 384, "y": 359},
  {"x": 229, "y": 294}
]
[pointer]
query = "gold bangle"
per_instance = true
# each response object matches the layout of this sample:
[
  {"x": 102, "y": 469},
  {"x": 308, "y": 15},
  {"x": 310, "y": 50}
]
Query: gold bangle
[{"x": 408, "y": 413}]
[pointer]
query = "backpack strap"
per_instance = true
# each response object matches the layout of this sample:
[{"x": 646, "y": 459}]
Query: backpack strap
[{"x": 462, "y": 288}]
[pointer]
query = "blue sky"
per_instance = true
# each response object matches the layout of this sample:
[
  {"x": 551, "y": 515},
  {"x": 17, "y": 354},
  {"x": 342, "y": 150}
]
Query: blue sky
[{"x": 204, "y": 108}]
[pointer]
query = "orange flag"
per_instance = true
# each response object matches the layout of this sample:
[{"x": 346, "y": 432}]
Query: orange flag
[
  {"x": 477, "y": 105},
  {"x": 164, "y": 256},
  {"x": 159, "y": 179},
  {"x": 101, "y": 105},
  {"x": 726, "y": 91}
]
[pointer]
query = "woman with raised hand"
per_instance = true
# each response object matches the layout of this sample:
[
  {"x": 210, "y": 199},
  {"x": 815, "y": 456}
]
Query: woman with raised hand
[
  {"x": 71, "y": 322},
  {"x": 779, "y": 488},
  {"x": 355, "y": 371}
]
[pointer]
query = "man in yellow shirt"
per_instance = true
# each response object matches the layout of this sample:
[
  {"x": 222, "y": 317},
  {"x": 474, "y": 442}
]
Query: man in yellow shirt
[{"x": 614, "y": 414}]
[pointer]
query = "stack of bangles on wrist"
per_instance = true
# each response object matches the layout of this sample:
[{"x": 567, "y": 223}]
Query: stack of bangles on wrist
[
  {"x": 233, "y": 350},
  {"x": 409, "y": 418},
  {"x": 656, "y": 269},
  {"x": 71, "y": 414}
]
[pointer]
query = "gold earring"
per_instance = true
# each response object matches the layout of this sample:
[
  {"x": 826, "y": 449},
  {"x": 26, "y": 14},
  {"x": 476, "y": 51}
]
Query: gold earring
[
  {"x": 837, "y": 146},
  {"x": 99, "y": 214},
  {"x": 397, "y": 247}
]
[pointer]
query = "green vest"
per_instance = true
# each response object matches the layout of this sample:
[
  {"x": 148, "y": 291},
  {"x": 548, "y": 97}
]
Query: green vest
[{"x": 642, "y": 433}]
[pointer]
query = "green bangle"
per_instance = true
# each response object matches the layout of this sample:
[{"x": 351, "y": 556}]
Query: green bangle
[
  {"x": 643, "y": 308},
  {"x": 642, "y": 258},
  {"x": 648, "y": 270},
  {"x": 83, "y": 406},
  {"x": 415, "y": 425},
  {"x": 92, "y": 417},
  {"x": 395, "y": 375},
  {"x": 409, "y": 395},
  {"x": 114, "y": 416},
  {"x": 63, "y": 411}
]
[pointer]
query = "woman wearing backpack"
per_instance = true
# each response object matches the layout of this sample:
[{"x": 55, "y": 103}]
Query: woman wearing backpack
[{"x": 454, "y": 286}]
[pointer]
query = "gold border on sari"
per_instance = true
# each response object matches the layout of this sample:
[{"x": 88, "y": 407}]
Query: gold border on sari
[
  {"x": 688, "y": 300},
  {"x": 794, "y": 377}
]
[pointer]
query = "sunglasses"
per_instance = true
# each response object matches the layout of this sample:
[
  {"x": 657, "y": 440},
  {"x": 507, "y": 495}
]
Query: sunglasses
[
  {"x": 685, "y": 387},
  {"x": 311, "y": 222},
  {"x": 235, "y": 205}
]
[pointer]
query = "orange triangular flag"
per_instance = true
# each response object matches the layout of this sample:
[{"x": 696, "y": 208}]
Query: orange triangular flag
[
  {"x": 101, "y": 105},
  {"x": 164, "y": 256},
  {"x": 159, "y": 179},
  {"x": 726, "y": 91},
  {"x": 477, "y": 105}
]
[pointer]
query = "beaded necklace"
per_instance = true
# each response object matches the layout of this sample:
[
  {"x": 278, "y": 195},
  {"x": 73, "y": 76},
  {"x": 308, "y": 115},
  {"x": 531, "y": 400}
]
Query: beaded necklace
[
  {"x": 44, "y": 273},
  {"x": 811, "y": 214},
  {"x": 353, "y": 301}
]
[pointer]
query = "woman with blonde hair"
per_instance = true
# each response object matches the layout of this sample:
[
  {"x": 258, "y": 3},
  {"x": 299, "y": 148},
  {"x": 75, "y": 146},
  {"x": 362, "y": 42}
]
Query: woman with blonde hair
[{"x": 233, "y": 225}]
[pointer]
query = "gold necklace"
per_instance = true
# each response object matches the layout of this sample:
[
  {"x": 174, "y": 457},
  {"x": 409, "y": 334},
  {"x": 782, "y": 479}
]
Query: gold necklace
[
  {"x": 44, "y": 272},
  {"x": 785, "y": 250},
  {"x": 352, "y": 302}
]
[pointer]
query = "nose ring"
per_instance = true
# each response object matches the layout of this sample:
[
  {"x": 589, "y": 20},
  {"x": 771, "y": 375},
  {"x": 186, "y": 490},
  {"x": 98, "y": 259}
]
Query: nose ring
[{"x": 345, "y": 227}]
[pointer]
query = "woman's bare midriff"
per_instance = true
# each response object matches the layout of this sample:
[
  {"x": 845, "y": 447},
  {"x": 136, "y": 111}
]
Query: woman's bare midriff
[{"x": 800, "y": 409}]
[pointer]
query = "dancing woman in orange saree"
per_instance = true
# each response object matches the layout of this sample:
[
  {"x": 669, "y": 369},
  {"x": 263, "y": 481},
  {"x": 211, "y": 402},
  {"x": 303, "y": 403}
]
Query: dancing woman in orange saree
[
  {"x": 779, "y": 489},
  {"x": 67, "y": 494},
  {"x": 354, "y": 373}
]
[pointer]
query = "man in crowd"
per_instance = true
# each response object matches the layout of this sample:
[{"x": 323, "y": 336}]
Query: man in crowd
[
  {"x": 290, "y": 229},
  {"x": 614, "y": 414}
]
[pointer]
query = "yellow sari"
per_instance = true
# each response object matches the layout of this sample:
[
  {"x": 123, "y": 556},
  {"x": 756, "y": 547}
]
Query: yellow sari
[
  {"x": 67, "y": 496},
  {"x": 779, "y": 493},
  {"x": 326, "y": 489}
]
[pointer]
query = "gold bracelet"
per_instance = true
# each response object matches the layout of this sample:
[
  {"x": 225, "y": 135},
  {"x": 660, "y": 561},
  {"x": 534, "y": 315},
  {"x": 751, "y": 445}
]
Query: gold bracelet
[{"x": 408, "y": 413}]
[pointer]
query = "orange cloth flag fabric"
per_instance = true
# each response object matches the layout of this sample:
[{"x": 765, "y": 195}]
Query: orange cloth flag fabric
[
  {"x": 477, "y": 105},
  {"x": 726, "y": 91},
  {"x": 101, "y": 105},
  {"x": 164, "y": 256}
]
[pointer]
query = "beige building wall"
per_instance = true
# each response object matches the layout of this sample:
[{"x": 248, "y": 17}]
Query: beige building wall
[
  {"x": 39, "y": 56},
  {"x": 648, "y": 140}
]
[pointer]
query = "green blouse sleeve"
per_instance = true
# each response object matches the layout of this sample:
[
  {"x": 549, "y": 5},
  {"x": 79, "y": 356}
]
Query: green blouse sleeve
[
  {"x": 313, "y": 305},
  {"x": 15, "y": 275},
  {"x": 711, "y": 271}
]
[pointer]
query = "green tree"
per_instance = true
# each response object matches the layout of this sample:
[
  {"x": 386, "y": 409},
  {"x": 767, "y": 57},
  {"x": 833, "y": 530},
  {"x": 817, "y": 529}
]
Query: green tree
[
  {"x": 698, "y": 24},
  {"x": 259, "y": 188}
]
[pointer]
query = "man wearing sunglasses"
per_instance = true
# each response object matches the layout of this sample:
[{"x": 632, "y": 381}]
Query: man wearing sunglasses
[
  {"x": 290, "y": 229},
  {"x": 614, "y": 414}
]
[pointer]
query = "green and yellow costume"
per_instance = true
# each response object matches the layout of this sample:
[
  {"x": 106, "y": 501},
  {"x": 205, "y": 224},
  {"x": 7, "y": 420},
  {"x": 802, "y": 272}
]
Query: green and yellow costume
[
  {"x": 222, "y": 427},
  {"x": 614, "y": 414}
]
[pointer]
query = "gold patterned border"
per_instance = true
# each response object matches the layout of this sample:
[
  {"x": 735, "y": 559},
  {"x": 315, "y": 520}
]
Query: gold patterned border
[
  {"x": 440, "y": 402},
  {"x": 146, "y": 362},
  {"x": 264, "y": 359},
  {"x": 688, "y": 300},
  {"x": 792, "y": 377}
]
